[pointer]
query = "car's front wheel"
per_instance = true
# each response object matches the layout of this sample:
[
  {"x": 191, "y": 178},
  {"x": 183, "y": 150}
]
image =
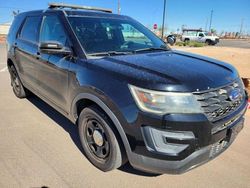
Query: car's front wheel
[{"x": 98, "y": 139}]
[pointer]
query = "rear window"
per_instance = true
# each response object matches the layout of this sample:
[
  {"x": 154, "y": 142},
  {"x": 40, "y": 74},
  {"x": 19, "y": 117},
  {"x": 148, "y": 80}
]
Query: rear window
[{"x": 30, "y": 29}]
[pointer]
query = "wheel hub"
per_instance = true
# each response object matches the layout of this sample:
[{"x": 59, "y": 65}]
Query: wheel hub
[{"x": 98, "y": 138}]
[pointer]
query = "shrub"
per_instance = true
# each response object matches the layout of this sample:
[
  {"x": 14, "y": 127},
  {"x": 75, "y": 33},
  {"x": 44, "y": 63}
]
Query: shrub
[
  {"x": 190, "y": 44},
  {"x": 179, "y": 43}
]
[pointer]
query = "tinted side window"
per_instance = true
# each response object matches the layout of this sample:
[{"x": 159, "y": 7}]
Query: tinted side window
[
  {"x": 30, "y": 29},
  {"x": 201, "y": 35},
  {"x": 53, "y": 30}
]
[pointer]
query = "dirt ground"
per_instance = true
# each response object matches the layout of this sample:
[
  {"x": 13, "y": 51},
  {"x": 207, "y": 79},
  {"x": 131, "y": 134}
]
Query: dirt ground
[
  {"x": 238, "y": 57},
  {"x": 2, "y": 39}
]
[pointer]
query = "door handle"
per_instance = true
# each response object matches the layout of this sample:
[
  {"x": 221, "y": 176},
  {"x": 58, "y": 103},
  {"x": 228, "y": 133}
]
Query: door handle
[{"x": 38, "y": 55}]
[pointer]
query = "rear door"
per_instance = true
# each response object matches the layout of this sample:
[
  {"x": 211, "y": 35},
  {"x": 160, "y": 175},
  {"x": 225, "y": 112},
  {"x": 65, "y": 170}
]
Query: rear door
[
  {"x": 53, "y": 68},
  {"x": 26, "y": 49}
]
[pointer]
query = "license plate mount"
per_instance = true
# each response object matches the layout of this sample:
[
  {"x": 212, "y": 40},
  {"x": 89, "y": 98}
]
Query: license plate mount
[{"x": 234, "y": 131}]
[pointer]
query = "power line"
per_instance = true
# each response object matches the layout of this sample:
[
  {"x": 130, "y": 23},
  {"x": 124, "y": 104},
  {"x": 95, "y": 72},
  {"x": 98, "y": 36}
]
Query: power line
[{"x": 13, "y": 8}]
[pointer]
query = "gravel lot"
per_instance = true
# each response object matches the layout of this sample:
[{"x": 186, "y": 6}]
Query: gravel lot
[
  {"x": 239, "y": 57},
  {"x": 39, "y": 147},
  {"x": 235, "y": 43}
]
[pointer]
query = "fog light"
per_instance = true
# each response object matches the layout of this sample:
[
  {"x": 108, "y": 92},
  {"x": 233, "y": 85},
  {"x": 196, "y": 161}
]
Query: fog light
[{"x": 156, "y": 140}]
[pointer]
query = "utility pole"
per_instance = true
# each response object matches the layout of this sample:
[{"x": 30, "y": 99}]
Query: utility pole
[
  {"x": 163, "y": 19},
  {"x": 211, "y": 18},
  {"x": 241, "y": 26},
  {"x": 205, "y": 29},
  {"x": 119, "y": 7}
]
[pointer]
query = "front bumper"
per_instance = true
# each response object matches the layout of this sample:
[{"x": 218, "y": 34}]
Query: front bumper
[
  {"x": 197, "y": 158},
  {"x": 216, "y": 41},
  {"x": 191, "y": 150}
]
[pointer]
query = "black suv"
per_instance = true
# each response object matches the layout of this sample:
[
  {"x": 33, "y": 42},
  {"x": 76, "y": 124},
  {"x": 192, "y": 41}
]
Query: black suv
[{"x": 132, "y": 97}]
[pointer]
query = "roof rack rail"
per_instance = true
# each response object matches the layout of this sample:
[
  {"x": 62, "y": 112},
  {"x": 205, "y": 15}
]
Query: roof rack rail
[{"x": 62, "y": 5}]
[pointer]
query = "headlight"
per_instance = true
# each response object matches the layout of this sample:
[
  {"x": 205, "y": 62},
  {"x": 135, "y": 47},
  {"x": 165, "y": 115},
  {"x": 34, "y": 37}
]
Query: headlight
[{"x": 165, "y": 102}]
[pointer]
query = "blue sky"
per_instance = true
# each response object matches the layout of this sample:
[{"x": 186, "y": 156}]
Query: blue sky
[{"x": 193, "y": 13}]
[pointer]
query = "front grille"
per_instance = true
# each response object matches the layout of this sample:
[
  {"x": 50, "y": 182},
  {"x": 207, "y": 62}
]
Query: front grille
[{"x": 217, "y": 104}]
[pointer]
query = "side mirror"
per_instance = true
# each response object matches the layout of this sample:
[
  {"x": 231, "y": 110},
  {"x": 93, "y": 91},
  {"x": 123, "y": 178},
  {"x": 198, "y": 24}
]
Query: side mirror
[
  {"x": 171, "y": 40},
  {"x": 53, "y": 47}
]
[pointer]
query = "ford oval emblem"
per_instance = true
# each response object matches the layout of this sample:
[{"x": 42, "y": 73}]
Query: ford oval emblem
[{"x": 234, "y": 94}]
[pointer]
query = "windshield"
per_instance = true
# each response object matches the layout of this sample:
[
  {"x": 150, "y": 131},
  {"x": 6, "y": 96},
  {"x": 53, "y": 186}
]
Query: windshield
[
  {"x": 98, "y": 35},
  {"x": 208, "y": 34}
]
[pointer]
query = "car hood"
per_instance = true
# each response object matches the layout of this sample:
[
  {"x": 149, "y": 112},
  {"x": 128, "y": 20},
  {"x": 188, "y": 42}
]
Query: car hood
[
  {"x": 212, "y": 37},
  {"x": 170, "y": 71}
]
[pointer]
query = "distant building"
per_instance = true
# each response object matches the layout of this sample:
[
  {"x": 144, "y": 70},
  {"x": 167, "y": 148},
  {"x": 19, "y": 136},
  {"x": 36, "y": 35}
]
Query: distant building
[{"x": 4, "y": 28}]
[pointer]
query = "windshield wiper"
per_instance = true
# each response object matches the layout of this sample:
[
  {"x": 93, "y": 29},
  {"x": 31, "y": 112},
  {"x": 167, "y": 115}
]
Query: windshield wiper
[
  {"x": 150, "y": 49},
  {"x": 112, "y": 53},
  {"x": 109, "y": 53}
]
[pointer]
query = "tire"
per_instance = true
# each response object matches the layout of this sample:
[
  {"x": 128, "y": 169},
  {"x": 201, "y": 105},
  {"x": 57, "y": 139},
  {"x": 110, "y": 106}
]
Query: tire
[
  {"x": 208, "y": 42},
  {"x": 186, "y": 40},
  {"x": 16, "y": 83},
  {"x": 98, "y": 139}
]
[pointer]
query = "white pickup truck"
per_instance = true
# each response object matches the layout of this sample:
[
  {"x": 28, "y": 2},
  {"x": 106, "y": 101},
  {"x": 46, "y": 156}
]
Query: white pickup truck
[{"x": 200, "y": 37}]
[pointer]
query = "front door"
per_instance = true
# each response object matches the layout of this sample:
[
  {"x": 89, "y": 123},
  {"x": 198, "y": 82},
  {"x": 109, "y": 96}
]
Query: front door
[
  {"x": 201, "y": 37},
  {"x": 53, "y": 68}
]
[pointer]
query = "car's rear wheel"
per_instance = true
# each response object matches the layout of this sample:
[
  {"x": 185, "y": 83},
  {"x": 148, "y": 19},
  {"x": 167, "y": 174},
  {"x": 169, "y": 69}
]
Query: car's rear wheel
[
  {"x": 98, "y": 139},
  {"x": 16, "y": 83}
]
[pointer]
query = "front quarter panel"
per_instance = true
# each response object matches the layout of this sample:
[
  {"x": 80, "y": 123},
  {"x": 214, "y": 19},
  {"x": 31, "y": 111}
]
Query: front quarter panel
[
  {"x": 114, "y": 92},
  {"x": 111, "y": 94}
]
